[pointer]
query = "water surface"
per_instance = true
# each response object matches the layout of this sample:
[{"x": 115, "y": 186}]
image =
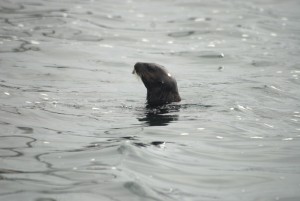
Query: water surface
[{"x": 73, "y": 120}]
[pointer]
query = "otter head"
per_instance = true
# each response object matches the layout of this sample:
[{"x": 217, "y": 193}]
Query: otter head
[{"x": 161, "y": 86}]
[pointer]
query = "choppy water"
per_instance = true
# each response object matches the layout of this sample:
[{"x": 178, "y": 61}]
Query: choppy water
[{"x": 73, "y": 120}]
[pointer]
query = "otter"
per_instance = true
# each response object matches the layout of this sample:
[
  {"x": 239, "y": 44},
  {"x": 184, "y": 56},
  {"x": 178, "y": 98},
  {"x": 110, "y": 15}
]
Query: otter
[{"x": 161, "y": 85}]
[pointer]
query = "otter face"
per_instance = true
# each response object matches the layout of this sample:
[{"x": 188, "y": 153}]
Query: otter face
[{"x": 161, "y": 86}]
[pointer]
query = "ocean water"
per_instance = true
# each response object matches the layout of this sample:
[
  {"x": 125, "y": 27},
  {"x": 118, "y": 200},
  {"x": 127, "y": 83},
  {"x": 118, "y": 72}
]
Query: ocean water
[{"x": 73, "y": 121}]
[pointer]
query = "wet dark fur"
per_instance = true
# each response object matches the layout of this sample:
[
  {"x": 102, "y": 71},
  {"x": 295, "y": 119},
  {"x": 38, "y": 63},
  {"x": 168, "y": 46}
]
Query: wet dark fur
[{"x": 161, "y": 86}]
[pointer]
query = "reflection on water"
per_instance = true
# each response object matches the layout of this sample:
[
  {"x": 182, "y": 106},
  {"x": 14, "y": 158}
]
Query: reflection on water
[
  {"x": 73, "y": 120},
  {"x": 160, "y": 116}
]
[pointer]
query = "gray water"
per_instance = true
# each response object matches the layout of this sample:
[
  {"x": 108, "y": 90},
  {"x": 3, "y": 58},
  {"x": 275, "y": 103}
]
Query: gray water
[{"x": 73, "y": 121}]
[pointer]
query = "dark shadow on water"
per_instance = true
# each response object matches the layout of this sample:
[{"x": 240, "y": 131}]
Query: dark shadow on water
[
  {"x": 160, "y": 116},
  {"x": 158, "y": 144}
]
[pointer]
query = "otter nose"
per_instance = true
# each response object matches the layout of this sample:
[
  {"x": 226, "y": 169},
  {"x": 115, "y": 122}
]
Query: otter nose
[{"x": 137, "y": 67}]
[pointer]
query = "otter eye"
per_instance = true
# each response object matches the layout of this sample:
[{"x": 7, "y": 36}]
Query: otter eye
[{"x": 151, "y": 69}]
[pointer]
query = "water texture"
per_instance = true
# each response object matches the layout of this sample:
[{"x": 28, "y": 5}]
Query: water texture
[{"x": 73, "y": 121}]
